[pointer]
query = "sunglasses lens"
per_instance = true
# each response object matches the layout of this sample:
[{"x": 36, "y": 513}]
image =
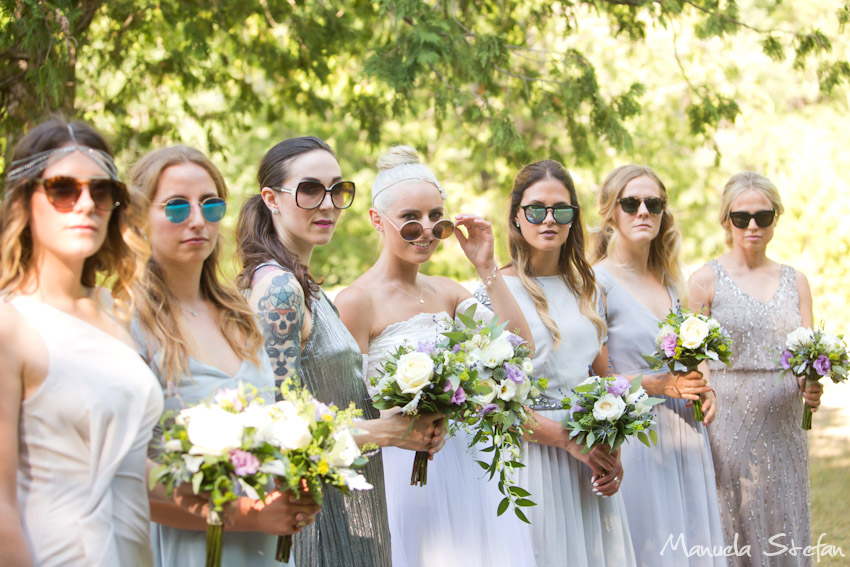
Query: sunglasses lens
[
  {"x": 105, "y": 193},
  {"x": 764, "y": 218},
  {"x": 411, "y": 230},
  {"x": 62, "y": 192},
  {"x": 630, "y": 205},
  {"x": 309, "y": 194},
  {"x": 177, "y": 210},
  {"x": 442, "y": 229},
  {"x": 535, "y": 214},
  {"x": 342, "y": 194},
  {"x": 654, "y": 205},
  {"x": 563, "y": 215},
  {"x": 213, "y": 209}
]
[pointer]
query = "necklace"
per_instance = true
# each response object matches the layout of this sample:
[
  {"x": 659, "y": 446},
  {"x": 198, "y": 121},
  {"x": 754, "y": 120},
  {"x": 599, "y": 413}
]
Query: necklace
[
  {"x": 189, "y": 311},
  {"x": 421, "y": 290}
]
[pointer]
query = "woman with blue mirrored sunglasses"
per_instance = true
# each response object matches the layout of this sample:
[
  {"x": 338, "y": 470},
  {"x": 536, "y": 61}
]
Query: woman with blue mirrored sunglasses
[{"x": 178, "y": 209}]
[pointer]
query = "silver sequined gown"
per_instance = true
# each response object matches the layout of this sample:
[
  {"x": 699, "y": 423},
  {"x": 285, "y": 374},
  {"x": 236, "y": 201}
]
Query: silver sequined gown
[
  {"x": 760, "y": 452},
  {"x": 352, "y": 530}
]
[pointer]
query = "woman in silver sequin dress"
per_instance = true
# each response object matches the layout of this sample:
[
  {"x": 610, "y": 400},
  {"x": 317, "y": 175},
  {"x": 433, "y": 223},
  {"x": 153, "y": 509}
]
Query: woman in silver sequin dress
[
  {"x": 302, "y": 197},
  {"x": 760, "y": 452}
]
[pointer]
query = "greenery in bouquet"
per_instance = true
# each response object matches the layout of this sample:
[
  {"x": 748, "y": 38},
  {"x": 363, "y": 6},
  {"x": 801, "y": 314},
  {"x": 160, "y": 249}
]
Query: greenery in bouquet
[
  {"x": 608, "y": 410},
  {"x": 684, "y": 340},
  {"x": 814, "y": 354}
]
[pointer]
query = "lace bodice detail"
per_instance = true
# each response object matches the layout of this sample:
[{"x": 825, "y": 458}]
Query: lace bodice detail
[{"x": 758, "y": 329}]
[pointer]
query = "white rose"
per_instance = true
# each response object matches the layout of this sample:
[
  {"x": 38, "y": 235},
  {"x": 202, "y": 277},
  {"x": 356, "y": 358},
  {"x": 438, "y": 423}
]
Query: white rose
[
  {"x": 214, "y": 431},
  {"x": 174, "y": 445},
  {"x": 413, "y": 372},
  {"x": 523, "y": 389},
  {"x": 491, "y": 395},
  {"x": 507, "y": 389},
  {"x": 497, "y": 352},
  {"x": 345, "y": 449},
  {"x": 665, "y": 330},
  {"x": 638, "y": 397},
  {"x": 528, "y": 366},
  {"x": 259, "y": 417},
  {"x": 609, "y": 407},
  {"x": 799, "y": 337},
  {"x": 354, "y": 481},
  {"x": 480, "y": 341},
  {"x": 290, "y": 429},
  {"x": 833, "y": 343},
  {"x": 692, "y": 332}
]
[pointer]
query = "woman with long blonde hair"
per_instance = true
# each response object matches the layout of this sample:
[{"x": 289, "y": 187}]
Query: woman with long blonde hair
[
  {"x": 669, "y": 490},
  {"x": 579, "y": 518},
  {"x": 198, "y": 335},
  {"x": 77, "y": 405}
]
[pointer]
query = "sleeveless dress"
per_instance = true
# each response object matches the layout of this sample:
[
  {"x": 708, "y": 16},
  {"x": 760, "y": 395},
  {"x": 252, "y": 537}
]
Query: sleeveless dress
[
  {"x": 83, "y": 436},
  {"x": 668, "y": 488},
  {"x": 760, "y": 452},
  {"x": 451, "y": 521},
  {"x": 570, "y": 525},
  {"x": 351, "y": 530},
  {"x": 174, "y": 547}
]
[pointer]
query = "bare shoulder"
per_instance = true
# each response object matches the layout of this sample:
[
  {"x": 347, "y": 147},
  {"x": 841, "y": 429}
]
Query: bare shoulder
[
  {"x": 802, "y": 283},
  {"x": 449, "y": 288},
  {"x": 355, "y": 301},
  {"x": 15, "y": 333},
  {"x": 701, "y": 289},
  {"x": 703, "y": 276}
]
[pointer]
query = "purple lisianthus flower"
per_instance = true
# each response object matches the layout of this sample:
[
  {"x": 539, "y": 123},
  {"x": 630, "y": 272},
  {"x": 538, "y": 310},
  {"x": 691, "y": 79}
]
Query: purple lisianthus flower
[
  {"x": 489, "y": 408},
  {"x": 785, "y": 361},
  {"x": 244, "y": 462},
  {"x": 459, "y": 396},
  {"x": 448, "y": 386},
  {"x": 457, "y": 347},
  {"x": 426, "y": 347},
  {"x": 576, "y": 409},
  {"x": 822, "y": 365},
  {"x": 668, "y": 345},
  {"x": 515, "y": 340},
  {"x": 514, "y": 372},
  {"x": 619, "y": 386}
]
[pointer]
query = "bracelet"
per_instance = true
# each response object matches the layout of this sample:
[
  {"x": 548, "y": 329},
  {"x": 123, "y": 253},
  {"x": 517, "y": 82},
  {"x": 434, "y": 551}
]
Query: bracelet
[{"x": 491, "y": 278}]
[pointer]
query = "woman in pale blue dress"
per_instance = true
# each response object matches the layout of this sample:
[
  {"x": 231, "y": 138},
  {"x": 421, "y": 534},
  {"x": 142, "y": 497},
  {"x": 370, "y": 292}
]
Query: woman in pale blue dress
[
  {"x": 668, "y": 489},
  {"x": 199, "y": 336},
  {"x": 579, "y": 519},
  {"x": 451, "y": 521}
]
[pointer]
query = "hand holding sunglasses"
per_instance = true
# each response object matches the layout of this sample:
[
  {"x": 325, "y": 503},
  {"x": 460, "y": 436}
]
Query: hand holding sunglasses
[
  {"x": 178, "y": 209},
  {"x": 630, "y": 205},
  {"x": 64, "y": 191},
  {"x": 310, "y": 194},
  {"x": 741, "y": 219}
]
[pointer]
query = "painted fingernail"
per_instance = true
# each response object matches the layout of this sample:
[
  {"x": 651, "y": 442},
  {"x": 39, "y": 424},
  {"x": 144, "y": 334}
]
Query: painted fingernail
[{"x": 595, "y": 484}]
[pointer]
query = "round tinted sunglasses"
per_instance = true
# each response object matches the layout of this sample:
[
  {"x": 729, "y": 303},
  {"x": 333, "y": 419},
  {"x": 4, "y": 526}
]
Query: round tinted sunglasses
[
  {"x": 178, "y": 209},
  {"x": 63, "y": 192},
  {"x": 630, "y": 205},
  {"x": 741, "y": 219},
  {"x": 536, "y": 214},
  {"x": 310, "y": 194},
  {"x": 413, "y": 229}
]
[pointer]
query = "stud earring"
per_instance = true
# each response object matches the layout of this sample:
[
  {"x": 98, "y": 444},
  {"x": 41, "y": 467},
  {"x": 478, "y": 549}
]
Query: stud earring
[
  {"x": 516, "y": 224},
  {"x": 275, "y": 212}
]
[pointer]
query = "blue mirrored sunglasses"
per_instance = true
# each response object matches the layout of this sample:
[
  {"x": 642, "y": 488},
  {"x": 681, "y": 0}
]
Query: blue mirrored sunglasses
[{"x": 177, "y": 210}]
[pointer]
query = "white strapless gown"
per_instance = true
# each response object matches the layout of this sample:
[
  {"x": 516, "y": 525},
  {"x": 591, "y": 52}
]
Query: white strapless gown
[{"x": 451, "y": 521}]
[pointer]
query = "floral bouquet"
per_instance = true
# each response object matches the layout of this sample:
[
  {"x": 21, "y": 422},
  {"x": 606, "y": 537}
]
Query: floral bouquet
[
  {"x": 686, "y": 339},
  {"x": 500, "y": 363},
  {"x": 431, "y": 378},
  {"x": 813, "y": 354},
  {"x": 238, "y": 441},
  {"x": 609, "y": 409}
]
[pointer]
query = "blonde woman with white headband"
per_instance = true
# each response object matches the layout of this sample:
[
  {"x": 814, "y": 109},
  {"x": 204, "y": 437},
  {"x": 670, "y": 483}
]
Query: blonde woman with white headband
[{"x": 451, "y": 520}]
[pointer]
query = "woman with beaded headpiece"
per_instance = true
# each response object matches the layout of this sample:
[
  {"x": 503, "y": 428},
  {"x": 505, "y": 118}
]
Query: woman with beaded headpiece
[
  {"x": 78, "y": 404},
  {"x": 451, "y": 521}
]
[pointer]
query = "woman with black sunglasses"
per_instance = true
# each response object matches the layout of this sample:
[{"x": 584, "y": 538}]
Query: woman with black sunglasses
[
  {"x": 579, "y": 518},
  {"x": 669, "y": 491},
  {"x": 452, "y": 519},
  {"x": 199, "y": 336},
  {"x": 301, "y": 199},
  {"x": 760, "y": 452},
  {"x": 77, "y": 405}
]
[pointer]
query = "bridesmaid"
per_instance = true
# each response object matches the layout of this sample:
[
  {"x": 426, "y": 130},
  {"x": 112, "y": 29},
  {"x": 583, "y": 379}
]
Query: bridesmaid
[
  {"x": 669, "y": 492},
  {"x": 74, "y": 432},
  {"x": 760, "y": 452},
  {"x": 579, "y": 519},
  {"x": 302, "y": 196},
  {"x": 198, "y": 336},
  {"x": 451, "y": 521}
]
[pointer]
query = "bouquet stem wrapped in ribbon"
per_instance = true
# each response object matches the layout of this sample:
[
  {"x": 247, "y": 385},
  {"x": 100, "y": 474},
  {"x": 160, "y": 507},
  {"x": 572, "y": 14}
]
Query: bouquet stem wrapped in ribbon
[
  {"x": 813, "y": 354},
  {"x": 684, "y": 340}
]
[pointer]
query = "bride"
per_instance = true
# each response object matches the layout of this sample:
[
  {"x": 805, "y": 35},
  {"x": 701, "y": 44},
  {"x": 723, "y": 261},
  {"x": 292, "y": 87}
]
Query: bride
[{"x": 451, "y": 521}]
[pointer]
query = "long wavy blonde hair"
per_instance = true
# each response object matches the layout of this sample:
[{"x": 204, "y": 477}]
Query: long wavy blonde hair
[
  {"x": 157, "y": 308},
  {"x": 572, "y": 263},
  {"x": 118, "y": 262},
  {"x": 663, "y": 260}
]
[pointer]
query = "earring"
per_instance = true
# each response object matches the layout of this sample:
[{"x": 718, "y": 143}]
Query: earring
[
  {"x": 516, "y": 224},
  {"x": 379, "y": 229},
  {"x": 275, "y": 212}
]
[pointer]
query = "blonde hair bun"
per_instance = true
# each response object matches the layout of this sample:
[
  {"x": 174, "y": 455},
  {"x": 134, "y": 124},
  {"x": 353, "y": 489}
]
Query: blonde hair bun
[{"x": 398, "y": 155}]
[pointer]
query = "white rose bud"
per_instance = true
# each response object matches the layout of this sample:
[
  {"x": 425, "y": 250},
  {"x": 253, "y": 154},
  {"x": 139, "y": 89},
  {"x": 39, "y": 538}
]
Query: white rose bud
[
  {"x": 609, "y": 407},
  {"x": 799, "y": 337},
  {"x": 491, "y": 395},
  {"x": 528, "y": 366},
  {"x": 693, "y": 332},
  {"x": 290, "y": 429},
  {"x": 345, "y": 449},
  {"x": 413, "y": 372}
]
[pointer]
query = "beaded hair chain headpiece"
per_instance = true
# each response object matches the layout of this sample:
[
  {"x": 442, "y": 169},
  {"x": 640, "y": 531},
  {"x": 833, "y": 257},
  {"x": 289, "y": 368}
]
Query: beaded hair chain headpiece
[{"x": 23, "y": 168}]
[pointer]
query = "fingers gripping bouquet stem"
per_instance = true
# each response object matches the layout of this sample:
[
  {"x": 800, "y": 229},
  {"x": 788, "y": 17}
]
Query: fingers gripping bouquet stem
[
  {"x": 812, "y": 355},
  {"x": 684, "y": 340}
]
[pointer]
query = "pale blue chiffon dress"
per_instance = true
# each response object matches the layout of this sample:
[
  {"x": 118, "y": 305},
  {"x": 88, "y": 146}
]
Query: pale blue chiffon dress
[{"x": 668, "y": 489}]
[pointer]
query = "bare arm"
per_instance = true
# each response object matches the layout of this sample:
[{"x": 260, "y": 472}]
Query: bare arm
[
  {"x": 355, "y": 309},
  {"x": 701, "y": 290}
]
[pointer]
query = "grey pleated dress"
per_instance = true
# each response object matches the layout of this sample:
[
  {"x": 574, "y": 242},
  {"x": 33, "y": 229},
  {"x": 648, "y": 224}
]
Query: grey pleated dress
[
  {"x": 760, "y": 452},
  {"x": 352, "y": 530}
]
